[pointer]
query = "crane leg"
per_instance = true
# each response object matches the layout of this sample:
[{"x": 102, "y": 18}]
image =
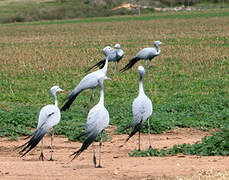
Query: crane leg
[
  {"x": 117, "y": 66},
  {"x": 149, "y": 134},
  {"x": 52, "y": 138},
  {"x": 42, "y": 157},
  {"x": 94, "y": 157},
  {"x": 146, "y": 64},
  {"x": 139, "y": 149},
  {"x": 113, "y": 67},
  {"x": 100, "y": 146},
  {"x": 92, "y": 94},
  {"x": 149, "y": 65}
]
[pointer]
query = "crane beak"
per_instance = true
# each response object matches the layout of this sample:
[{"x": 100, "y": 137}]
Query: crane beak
[
  {"x": 60, "y": 90},
  {"x": 107, "y": 78}
]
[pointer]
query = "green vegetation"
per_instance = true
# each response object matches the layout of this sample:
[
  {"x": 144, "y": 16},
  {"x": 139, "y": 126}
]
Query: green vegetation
[
  {"x": 21, "y": 11},
  {"x": 188, "y": 82},
  {"x": 148, "y": 17},
  {"x": 26, "y": 11},
  {"x": 215, "y": 145}
]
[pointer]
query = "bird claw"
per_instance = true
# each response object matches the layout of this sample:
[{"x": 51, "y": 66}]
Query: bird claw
[
  {"x": 99, "y": 166},
  {"x": 42, "y": 157},
  {"x": 94, "y": 161},
  {"x": 51, "y": 159}
]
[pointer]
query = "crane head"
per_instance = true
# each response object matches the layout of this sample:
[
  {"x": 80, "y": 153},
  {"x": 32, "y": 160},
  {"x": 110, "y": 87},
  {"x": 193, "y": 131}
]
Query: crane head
[
  {"x": 55, "y": 89},
  {"x": 156, "y": 43},
  {"x": 106, "y": 50},
  {"x": 117, "y": 46},
  {"x": 141, "y": 70}
]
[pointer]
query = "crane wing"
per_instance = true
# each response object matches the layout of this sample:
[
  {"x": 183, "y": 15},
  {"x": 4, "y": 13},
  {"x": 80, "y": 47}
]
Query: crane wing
[{"x": 89, "y": 81}]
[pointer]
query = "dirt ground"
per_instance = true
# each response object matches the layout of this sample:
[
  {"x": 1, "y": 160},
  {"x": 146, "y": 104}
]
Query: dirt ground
[{"x": 115, "y": 160}]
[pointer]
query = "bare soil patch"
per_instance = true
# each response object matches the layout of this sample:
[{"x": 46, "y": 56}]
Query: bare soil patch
[{"x": 115, "y": 160}]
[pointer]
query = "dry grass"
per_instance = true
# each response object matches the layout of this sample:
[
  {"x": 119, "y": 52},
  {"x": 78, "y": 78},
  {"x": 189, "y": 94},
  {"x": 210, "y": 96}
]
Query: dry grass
[
  {"x": 50, "y": 47},
  {"x": 192, "y": 46}
]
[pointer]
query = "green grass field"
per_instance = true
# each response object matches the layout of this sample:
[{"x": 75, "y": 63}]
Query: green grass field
[{"x": 188, "y": 83}]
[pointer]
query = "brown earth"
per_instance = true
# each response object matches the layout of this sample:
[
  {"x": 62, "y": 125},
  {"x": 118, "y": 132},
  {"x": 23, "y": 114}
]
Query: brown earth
[{"x": 115, "y": 160}]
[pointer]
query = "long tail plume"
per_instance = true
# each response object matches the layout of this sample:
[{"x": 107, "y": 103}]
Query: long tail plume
[
  {"x": 130, "y": 64},
  {"x": 86, "y": 144},
  {"x": 136, "y": 129},
  {"x": 99, "y": 64},
  {"x": 127, "y": 127},
  {"x": 69, "y": 102},
  {"x": 36, "y": 137}
]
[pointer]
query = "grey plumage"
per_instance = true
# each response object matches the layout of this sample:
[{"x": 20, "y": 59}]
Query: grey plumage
[
  {"x": 97, "y": 121},
  {"x": 141, "y": 108},
  {"x": 116, "y": 55},
  {"x": 146, "y": 54},
  {"x": 90, "y": 81},
  {"x": 49, "y": 117}
]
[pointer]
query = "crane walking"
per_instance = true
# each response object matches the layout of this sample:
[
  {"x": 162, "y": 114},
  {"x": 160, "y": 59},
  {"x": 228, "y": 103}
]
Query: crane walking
[
  {"x": 117, "y": 55},
  {"x": 49, "y": 117},
  {"x": 90, "y": 81},
  {"x": 97, "y": 121},
  {"x": 146, "y": 54},
  {"x": 142, "y": 109}
]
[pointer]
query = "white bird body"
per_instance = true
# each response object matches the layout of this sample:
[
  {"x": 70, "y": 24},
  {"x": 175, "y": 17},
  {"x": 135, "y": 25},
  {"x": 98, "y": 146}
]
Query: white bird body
[
  {"x": 97, "y": 120},
  {"x": 147, "y": 54},
  {"x": 49, "y": 117},
  {"x": 142, "y": 109},
  {"x": 90, "y": 81},
  {"x": 119, "y": 53}
]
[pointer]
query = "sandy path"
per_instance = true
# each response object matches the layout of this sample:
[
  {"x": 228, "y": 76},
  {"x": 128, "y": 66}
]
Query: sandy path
[{"x": 115, "y": 161}]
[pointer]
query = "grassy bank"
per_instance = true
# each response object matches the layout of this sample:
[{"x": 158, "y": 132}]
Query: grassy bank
[{"x": 30, "y": 10}]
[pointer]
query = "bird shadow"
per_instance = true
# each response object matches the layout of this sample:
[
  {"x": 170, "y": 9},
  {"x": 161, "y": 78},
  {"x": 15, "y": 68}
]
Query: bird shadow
[
  {"x": 32, "y": 160},
  {"x": 82, "y": 167}
]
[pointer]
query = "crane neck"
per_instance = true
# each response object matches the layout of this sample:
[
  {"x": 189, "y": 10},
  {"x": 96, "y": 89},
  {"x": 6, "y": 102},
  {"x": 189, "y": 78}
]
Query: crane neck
[
  {"x": 119, "y": 52},
  {"x": 101, "y": 100},
  {"x": 158, "y": 49},
  {"x": 55, "y": 100},
  {"x": 106, "y": 65},
  {"x": 141, "y": 89}
]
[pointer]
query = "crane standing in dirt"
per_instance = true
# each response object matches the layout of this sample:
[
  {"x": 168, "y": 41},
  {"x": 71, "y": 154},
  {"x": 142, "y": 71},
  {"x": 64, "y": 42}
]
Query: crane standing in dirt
[
  {"x": 49, "y": 117},
  {"x": 97, "y": 120},
  {"x": 142, "y": 109}
]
